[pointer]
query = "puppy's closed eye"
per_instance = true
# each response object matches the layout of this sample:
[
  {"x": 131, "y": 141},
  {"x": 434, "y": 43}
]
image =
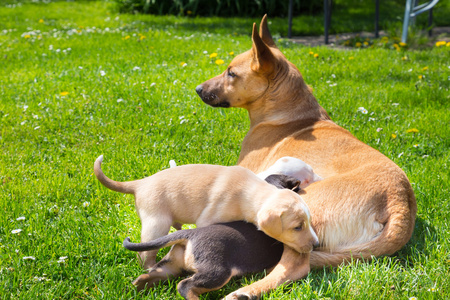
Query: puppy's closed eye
[{"x": 284, "y": 182}]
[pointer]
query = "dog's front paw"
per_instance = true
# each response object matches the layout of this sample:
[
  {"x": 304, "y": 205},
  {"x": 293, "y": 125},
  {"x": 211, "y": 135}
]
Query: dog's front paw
[{"x": 237, "y": 295}]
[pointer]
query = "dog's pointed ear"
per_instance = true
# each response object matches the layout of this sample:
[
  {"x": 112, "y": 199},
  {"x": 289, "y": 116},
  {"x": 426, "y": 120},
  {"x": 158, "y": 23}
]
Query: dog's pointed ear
[
  {"x": 263, "y": 59},
  {"x": 269, "y": 221},
  {"x": 264, "y": 33}
]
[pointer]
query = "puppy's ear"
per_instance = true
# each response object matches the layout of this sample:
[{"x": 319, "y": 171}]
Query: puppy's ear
[
  {"x": 264, "y": 33},
  {"x": 269, "y": 221},
  {"x": 263, "y": 60}
]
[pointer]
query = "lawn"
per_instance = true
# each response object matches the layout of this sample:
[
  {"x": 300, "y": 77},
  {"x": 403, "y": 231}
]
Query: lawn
[{"x": 78, "y": 80}]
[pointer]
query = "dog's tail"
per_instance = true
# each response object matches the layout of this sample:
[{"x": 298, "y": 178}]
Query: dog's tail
[
  {"x": 162, "y": 242},
  {"x": 395, "y": 234},
  {"x": 123, "y": 187}
]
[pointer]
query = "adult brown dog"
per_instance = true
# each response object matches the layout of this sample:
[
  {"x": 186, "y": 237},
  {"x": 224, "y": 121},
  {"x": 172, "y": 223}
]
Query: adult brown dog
[{"x": 365, "y": 205}]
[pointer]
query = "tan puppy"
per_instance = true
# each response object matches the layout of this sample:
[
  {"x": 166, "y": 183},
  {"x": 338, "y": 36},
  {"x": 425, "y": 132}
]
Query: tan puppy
[
  {"x": 208, "y": 194},
  {"x": 364, "y": 206}
]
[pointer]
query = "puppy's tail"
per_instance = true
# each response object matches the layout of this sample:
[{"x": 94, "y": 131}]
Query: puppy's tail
[
  {"x": 123, "y": 187},
  {"x": 162, "y": 242}
]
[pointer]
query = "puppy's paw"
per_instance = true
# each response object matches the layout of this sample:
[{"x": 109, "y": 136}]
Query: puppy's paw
[{"x": 240, "y": 296}]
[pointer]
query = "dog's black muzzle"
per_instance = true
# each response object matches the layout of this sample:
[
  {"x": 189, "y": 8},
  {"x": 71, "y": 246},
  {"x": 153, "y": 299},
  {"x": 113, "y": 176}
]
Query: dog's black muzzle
[{"x": 211, "y": 98}]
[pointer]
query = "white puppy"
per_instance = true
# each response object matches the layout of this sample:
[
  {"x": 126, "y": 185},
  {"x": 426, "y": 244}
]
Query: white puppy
[{"x": 294, "y": 167}]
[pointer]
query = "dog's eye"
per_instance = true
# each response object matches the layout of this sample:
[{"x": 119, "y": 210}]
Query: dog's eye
[
  {"x": 231, "y": 73},
  {"x": 299, "y": 227}
]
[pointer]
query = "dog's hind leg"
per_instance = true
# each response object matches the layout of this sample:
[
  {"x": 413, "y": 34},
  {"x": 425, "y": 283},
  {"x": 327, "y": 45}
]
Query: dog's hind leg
[
  {"x": 152, "y": 228},
  {"x": 171, "y": 266},
  {"x": 205, "y": 280}
]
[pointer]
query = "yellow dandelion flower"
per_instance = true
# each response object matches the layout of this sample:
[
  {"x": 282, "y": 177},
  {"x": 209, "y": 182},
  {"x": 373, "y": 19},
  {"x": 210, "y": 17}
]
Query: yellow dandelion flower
[
  {"x": 366, "y": 44},
  {"x": 41, "y": 21},
  {"x": 420, "y": 76},
  {"x": 219, "y": 62},
  {"x": 397, "y": 47},
  {"x": 412, "y": 130},
  {"x": 440, "y": 43},
  {"x": 405, "y": 58},
  {"x": 351, "y": 57},
  {"x": 212, "y": 55},
  {"x": 402, "y": 44},
  {"x": 127, "y": 37},
  {"x": 189, "y": 12},
  {"x": 142, "y": 37},
  {"x": 358, "y": 44},
  {"x": 27, "y": 36},
  {"x": 448, "y": 44},
  {"x": 424, "y": 68},
  {"x": 316, "y": 55},
  {"x": 311, "y": 53},
  {"x": 183, "y": 64},
  {"x": 64, "y": 93},
  {"x": 393, "y": 135},
  {"x": 231, "y": 53}
]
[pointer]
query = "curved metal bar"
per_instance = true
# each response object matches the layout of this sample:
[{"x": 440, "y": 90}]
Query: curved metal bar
[{"x": 423, "y": 8}]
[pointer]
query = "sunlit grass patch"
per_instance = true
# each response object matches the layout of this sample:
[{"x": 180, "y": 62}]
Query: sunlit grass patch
[{"x": 86, "y": 83}]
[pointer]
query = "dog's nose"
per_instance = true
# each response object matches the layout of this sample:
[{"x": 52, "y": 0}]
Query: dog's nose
[{"x": 199, "y": 90}]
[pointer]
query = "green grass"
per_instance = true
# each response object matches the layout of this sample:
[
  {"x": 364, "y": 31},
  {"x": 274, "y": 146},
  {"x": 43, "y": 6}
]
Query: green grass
[{"x": 141, "y": 118}]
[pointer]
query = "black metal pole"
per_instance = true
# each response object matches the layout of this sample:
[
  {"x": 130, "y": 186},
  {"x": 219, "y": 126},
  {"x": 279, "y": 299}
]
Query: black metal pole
[
  {"x": 326, "y": 24},
  {"x": 430, "y": 22},
  {"x": 290, "y": 19},
  {"x": 377, "y": 14}
]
